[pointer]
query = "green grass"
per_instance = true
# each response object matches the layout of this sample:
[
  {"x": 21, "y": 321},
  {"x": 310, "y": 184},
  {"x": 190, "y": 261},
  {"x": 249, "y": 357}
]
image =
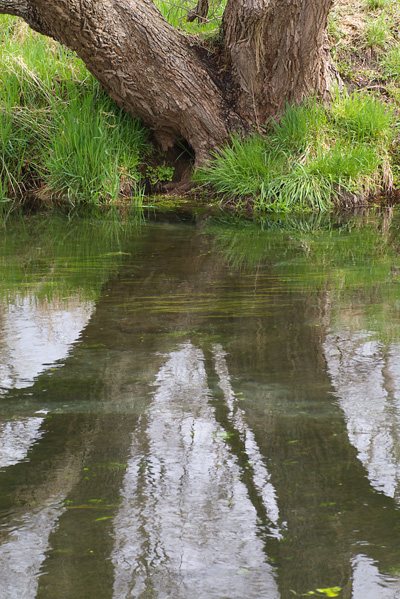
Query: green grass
[
  {"x": 62, "y": 136},
  {"x": 390, "y": 64},
  {"x": 376, "y": 4},
  {"x": 59, "y": 132},
  {"x": 361, "y": 33},
  {"x": 377, "y": 31},
  {"x": 311, "y": 157},
  {"x": 362, "y": 118},
  {"x": 92, "y": 154}
]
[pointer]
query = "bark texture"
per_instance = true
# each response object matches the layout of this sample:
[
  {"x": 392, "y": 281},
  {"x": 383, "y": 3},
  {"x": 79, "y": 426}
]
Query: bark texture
[
  {"x": 199, "y": 12},
  {"x": 277, "y": 51},
  {"x": 273, "y": 51}
]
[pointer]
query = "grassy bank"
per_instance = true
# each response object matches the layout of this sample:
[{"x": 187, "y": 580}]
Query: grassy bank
[
  {"x": 316, "y": 157},
  {"x": 61, "y": 136},
  {"x": 320, "y": 156},
  {"x": 313, "y": 157}
]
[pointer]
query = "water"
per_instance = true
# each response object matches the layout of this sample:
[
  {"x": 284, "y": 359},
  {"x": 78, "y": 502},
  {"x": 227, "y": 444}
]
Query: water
[{"x": 200, "y": 408}]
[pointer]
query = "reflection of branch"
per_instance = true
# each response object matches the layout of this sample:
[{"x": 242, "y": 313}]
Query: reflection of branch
[
  {"x": 180, "y": 485},
  {"x": 258, "y": 483}
]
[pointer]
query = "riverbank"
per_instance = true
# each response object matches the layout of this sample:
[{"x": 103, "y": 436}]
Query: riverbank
[{"x": 64, "y": 141}]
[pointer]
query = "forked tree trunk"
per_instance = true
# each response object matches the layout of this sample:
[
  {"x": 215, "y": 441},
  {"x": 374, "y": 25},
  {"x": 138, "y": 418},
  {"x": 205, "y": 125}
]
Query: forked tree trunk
[{"x": 273, "y": 51}]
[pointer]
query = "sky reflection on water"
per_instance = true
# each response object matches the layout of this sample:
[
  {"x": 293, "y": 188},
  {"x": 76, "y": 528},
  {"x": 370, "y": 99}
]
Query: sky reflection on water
[{"x": 186, "y": 522}]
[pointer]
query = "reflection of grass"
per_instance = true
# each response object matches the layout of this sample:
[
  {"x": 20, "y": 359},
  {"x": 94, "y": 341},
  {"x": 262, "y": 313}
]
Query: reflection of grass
[
  {"x": 349, "y": 259},
  {"x": 53, "y": 258},
  {"x": 310, "y": 243}
]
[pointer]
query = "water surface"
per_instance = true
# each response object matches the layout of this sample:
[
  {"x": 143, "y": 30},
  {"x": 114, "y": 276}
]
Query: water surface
[{"x": 201, "y": 407}]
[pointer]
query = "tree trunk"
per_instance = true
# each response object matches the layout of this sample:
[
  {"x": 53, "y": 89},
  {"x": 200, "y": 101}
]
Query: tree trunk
[
  {"x": 273, "y": 51},
  {"x": 277, "y": 52},
  {"x": 199, "y": 12}
]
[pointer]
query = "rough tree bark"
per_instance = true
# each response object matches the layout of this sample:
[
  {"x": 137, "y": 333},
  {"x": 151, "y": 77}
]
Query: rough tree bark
[{"x": 272, "y": 51}]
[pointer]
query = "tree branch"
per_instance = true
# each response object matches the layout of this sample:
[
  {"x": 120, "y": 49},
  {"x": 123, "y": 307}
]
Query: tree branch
[
  {"x": 27, "y": 12},
  {"x": 18, "y": 8},
  {"x": 199, "y": 12},
  {"x": 149, "y": 68}
]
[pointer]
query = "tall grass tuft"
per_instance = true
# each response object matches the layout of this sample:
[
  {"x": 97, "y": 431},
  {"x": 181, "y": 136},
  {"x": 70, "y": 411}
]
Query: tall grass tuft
[
  {"x": 361, "y": 117},
  {"x": 91, "y": 153},
  {"x": 377, "y": 32},
  {"x": 58, "y": 130},
  {"x": 296, "y": 131},
  {"x": 310, "y": 158}
]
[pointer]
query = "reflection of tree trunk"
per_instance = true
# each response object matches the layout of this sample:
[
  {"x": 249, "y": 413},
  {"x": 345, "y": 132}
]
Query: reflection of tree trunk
[
  {"x": 272, "y": 435},
  {"x": 36, "y": 509},
  {"x": 243, "y": 445},
  {"x": 17, "y": 437},
  {"x": 35, "y": 334},
  {"x": 46, "y": 472},
  {"x": 184, "y": 510},
  {"x": 366, "y": 384},
  {"x": 389, "y": 380},
  {"x": 202, "y": 462},
  {"x": 387, "y": 217},
  {"x": 78, "y": 561}
]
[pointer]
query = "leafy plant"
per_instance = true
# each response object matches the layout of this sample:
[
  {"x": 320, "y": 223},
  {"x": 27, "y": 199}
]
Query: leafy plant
[{"x": 160, "y": 173}]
